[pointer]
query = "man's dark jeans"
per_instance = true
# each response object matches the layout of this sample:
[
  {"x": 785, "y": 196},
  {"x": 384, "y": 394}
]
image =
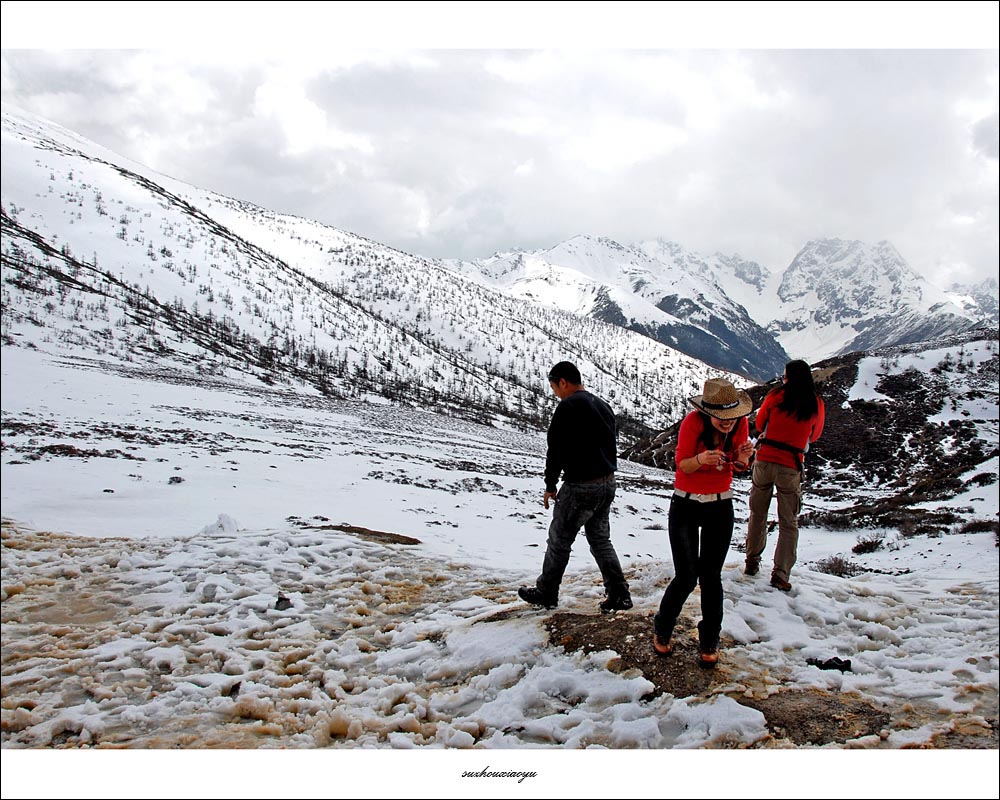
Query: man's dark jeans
[
  {"x": 585, "y": 505},
  {"x": 694, "y": 565}
]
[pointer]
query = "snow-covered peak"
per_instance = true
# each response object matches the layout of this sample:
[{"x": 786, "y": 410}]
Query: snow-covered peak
[
  {"x": 842, "y": 295},
  {"x": 979, "y": 299},
  {"x": 748, "y": 272},
  {"x": 834, "y": 267},
  {"x": 662, "y": 249},
  {"x": 599, "y": 258},
  {"x": 677, "y": 258}
]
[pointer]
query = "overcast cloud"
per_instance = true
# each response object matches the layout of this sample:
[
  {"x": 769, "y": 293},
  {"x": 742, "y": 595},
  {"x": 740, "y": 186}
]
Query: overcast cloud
[{"x": 459, "y": 153}]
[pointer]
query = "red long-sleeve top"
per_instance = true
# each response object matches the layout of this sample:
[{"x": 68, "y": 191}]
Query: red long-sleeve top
[
  {"x": 783, "y": 427},
  {"x": 706, "y": 479}
]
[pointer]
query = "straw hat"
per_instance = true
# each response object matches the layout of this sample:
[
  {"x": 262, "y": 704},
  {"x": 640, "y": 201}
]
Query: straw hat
[{"x": 722, "y": 400}]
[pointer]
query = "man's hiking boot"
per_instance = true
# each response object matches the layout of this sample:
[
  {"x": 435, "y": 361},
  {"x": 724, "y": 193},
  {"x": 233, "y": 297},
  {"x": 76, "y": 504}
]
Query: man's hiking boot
[
  {"x": 533, "y": 595},
  {"x": 615, "y": 602},
  {"x": 663, "y": 647},
  {"x": 752, "y": 568},
  {"x": 780, "y": 584}
]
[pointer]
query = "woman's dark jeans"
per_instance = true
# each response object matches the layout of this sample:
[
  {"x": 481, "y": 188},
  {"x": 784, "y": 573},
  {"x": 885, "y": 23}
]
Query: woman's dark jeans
[{"x": 697, "y": 565}]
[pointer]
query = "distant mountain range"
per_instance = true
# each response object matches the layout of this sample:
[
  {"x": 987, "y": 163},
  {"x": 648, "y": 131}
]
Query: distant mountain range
[
  {"x": 657, "y": 289},
  {"x": 835, "y": 297},
  {"x": 980, "y": 299}
]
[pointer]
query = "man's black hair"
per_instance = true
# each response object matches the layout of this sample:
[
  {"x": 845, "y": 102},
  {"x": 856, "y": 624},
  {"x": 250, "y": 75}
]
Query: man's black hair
[{"x": 567, "y": 371}]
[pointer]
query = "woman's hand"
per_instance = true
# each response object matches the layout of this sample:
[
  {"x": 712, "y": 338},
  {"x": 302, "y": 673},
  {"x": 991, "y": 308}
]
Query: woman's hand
[{"x": 711, "y": 458}]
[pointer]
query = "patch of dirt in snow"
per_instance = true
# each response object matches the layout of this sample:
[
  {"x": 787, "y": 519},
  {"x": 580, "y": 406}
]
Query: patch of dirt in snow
[
  {"x": 970, "y": 735},
  {"x": 816, "y": 717},
  {"x": 795, "y": 716},
  {"x": 364, "y": 533},
  {"x": 631, "y": 636}
]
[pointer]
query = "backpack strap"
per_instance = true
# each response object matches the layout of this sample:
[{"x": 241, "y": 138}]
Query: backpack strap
[{"x": 798, "y": 452}]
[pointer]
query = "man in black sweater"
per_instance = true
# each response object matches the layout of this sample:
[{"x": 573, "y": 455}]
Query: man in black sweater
[{"x": 582, "y": 448}]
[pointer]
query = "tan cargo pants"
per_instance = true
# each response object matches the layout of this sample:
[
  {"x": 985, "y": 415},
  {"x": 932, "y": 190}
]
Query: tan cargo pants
[{"x": 788, "y": 481}]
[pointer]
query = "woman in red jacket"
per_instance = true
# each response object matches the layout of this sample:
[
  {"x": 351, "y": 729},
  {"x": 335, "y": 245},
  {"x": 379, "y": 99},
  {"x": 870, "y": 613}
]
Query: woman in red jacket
[
  {"x": 790, "y": 418},
  {"x": 711, "y": 443}
]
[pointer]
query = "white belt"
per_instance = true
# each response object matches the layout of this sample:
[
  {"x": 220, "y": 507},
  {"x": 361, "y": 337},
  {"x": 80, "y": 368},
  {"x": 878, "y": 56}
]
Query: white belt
[{"x": 703, "y": 498}]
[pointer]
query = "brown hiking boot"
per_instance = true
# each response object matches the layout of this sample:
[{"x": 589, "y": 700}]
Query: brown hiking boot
[
  {"x": 751, "y": 568},
  {"x": 780, "y": 584},
  {"x": 708, "y": 658},
  {"x": 663, "y": 647}
]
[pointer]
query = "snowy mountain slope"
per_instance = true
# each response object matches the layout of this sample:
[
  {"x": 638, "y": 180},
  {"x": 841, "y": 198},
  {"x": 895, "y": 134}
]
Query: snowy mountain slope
[
  {"x": 655, "y": 288},
  {"x": 105, "y": 257}
]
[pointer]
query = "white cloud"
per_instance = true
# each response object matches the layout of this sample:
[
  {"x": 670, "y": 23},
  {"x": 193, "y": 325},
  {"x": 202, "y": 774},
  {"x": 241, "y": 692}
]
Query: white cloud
[
  {"x": 526, "y": 168},
  {"x": 612, "y": 143},
  {"x": 305, "y": 125},
  {"x": 460, "y": 153}
]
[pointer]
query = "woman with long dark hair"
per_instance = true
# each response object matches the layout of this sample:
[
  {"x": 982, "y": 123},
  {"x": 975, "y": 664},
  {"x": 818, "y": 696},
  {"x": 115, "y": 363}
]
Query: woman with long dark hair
[
  {"x": 713, "y": 441},
  {"x": 789, "y": 420}
]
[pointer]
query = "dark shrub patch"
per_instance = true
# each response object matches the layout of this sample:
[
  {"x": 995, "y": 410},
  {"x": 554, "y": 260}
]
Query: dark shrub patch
[
  {"x": 839, "y": 566},
  {"x": 869, "y": 543},
  {"x": 980, "y": 526}
]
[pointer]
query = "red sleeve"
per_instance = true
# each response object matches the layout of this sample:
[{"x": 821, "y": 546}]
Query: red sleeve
[
  {"x": 764, "y": 412},
  {"x": 687, "y": 438},
  {"x": 820, "y": 420}
]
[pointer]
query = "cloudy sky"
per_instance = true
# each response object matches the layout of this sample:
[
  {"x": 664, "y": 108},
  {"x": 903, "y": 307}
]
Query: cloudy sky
[{"x": 521, "y": 125}]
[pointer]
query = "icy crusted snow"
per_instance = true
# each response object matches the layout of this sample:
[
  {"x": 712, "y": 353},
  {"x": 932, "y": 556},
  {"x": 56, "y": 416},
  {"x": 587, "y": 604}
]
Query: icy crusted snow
[
  {"x": 376, "y": 642},
  {"x": 179, "y": 642}
]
